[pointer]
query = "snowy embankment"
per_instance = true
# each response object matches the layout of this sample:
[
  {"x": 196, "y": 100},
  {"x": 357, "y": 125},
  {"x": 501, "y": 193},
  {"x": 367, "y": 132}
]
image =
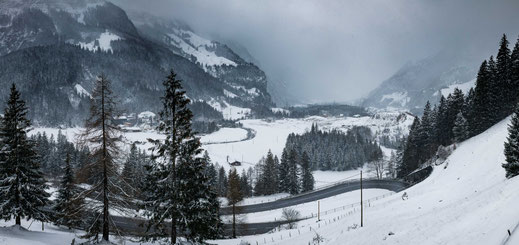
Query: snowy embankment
[{"x": 466, "y": 200}]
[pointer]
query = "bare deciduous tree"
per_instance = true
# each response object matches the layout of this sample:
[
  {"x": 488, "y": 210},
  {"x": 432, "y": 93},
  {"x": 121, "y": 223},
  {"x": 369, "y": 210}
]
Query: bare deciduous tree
[
  {"x": 291, "y": 216},
  {"x": 103, "y": 137},
  {"x": 377, "y": 167}
]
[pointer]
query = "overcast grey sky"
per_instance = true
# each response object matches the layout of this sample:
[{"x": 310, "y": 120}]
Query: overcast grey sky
[{"x": 338, "y": 50}]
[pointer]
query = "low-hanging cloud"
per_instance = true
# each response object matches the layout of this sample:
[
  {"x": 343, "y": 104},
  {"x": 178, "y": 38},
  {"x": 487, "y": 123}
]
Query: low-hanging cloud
[{"x": 338, "y": 50}]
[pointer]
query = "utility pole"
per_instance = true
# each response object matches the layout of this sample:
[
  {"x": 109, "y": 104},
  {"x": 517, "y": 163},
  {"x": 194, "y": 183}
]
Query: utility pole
[
  {"x": 318, "y": 210},
  {"x": 361, "y": 205}
]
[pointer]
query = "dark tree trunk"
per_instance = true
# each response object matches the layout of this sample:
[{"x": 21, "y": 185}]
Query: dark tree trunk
[
  {"x": 174, "y": 173},
  {"x": 234, "y": 220},
  {"x": 173, "y": 231},
  {"x": 106, "y": 230}
]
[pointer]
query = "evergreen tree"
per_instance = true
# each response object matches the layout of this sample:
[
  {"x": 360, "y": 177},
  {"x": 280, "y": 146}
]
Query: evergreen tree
[
  {"x": 22, "y": 187},
  {"x": 442, "y": 123},
  {"x": 179, "y": 190},
  {"x": 234, "y": 195},
  {"x": 496, "y": 104},
  {"x": 269, "y": 175},
  {"x": 283, "y": 172},
  {"x": 293, "y": 184},
  {"x": 211, "y": 172},
  {"x": 506, "y": 89},
  {"x": 260, "y": 186},
  {"x": 103, "y": 134},
  {"x": 514, "y": 72},
  {"x": 411, "y": 157},
  {"x": 455, "y": 103},
  {"x": 482, "y": 99},
  {"x": 468, "y": 110},
  {"x": 307, "y": 178},
  {"x": 461, "y": 128},
  {"x": 132, "y": 170},
  {"x": 198, "y": 202},
  {"x": 222, "y": 182},
  {"x": 427, "y": 132},
  {"x": 244, "y": 184},
  {"x": 512, "y": 147},
  {"x": 68, "y": 205}
]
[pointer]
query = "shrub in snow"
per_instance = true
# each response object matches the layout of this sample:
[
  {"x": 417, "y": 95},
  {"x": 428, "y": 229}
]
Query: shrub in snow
[
  {"x": 318, "y": 239},
  {"x": 291, "y": 216}
]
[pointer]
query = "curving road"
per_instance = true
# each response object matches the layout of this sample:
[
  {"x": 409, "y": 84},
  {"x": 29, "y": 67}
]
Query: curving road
[
  {"x": 392, "y": 185},
  {"x": 135, "y": 226},
  {"x": 251, "y": 134}
]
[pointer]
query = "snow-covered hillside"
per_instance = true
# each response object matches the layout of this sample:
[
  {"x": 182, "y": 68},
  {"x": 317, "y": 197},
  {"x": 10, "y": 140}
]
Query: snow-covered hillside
[
  {"x": 465, "y": 87},
  {"x": 420, "y": 81},
  {"x": 466, "y": 200}
]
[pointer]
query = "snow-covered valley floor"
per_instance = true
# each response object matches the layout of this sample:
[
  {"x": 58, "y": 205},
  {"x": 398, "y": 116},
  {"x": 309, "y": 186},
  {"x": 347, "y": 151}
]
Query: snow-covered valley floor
[{"x": 466, "y": 200}]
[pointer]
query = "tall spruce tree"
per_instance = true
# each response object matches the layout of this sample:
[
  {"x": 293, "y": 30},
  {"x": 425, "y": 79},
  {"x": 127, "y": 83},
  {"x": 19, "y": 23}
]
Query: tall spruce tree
[
  {"x": 177, "y": 183},
  {"x": 427, "y": 133},
  {"x": 411, "y": 157},
  {"x": 482, "y": 99},
  {"x": 512, "y": 147},
  {"x": 514, "y": 72},
  {"x": 283, "y": 172},
  {"x": 222, "y": 182},
  {"x": 307, "y": 178},
  {"x": 293, "y": 173},
  {"x": 132, "y": 172},
  {"x": 104, "y": 136},
  {"x": 244, "y": 184},
  {"x": 198, "y": 203},
  {"x": 22, "y": 186},
  {"x": 442, "y": 124},
  {"x": 69, "y": 204},
  {"x": 211, "y": 172},
  {"x": 234, "y": 195},
  {"x": 496, "y": 104},
  {"x": 506, "y": 89},
  {"x": 455, "y": 103},
  {"x": 269, "y": 175},
  {"x": 468, "y": 110}
]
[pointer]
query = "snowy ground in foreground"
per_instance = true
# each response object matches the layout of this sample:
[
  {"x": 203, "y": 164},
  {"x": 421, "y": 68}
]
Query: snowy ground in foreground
[
  {"x": 466, "y": 200},
  {"x": 33, "y": 235}
]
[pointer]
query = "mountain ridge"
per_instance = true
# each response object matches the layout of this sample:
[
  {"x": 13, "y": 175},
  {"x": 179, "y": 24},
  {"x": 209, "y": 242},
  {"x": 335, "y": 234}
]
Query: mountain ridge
[{"x": 69, "y": 39}]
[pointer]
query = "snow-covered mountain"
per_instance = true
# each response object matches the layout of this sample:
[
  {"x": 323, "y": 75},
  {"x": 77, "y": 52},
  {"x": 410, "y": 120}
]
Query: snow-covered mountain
[
  {"x": 245, "y": 80},
  {"x": 54, "y": 49},
  {"x": 416, "y": 83}
]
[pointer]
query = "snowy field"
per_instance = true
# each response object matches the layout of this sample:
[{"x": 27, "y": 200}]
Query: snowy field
[
  {"x": 466, "y": 200},
  {"x": 225, "y": 135},
  {"x": 270, "y": 135}
]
